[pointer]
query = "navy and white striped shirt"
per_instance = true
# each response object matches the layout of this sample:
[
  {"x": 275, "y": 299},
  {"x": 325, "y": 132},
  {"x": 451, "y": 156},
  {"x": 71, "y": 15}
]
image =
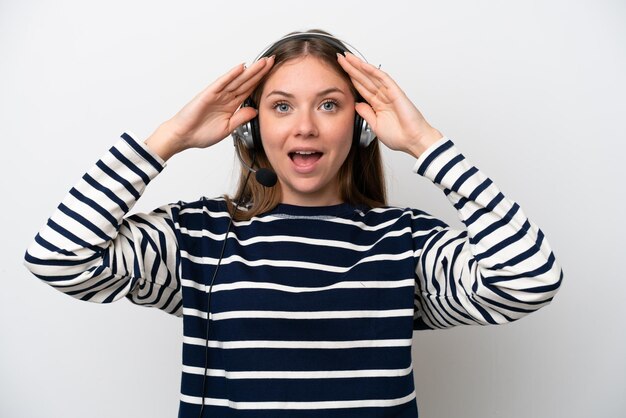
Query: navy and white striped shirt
[{"x": 313, "y": 309}]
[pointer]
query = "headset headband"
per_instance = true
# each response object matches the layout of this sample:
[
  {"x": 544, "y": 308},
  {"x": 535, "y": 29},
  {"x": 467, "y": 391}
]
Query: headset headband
[{"x": 340, "y": 44}]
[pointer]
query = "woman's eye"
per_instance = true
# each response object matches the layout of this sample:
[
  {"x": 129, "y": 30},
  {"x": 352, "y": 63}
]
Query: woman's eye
[
  {"x": 281, "y": 107},
  {"x": 329, "y": 106}
]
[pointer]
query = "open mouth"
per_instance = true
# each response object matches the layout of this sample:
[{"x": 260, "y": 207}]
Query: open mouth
[{"x": 305, "y": 158}]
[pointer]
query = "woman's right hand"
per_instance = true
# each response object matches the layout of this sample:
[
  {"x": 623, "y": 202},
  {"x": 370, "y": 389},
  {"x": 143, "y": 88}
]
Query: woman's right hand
[{"x": 213, "y": 114}]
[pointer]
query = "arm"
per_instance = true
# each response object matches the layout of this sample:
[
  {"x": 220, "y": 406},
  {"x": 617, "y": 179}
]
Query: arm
[
  {"x": 497, "y": 271},
  {"x": 88, "y": 250}
]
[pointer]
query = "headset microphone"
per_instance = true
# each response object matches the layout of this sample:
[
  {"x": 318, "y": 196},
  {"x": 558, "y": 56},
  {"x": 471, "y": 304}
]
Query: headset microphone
[{"x": 264, "y": 176}]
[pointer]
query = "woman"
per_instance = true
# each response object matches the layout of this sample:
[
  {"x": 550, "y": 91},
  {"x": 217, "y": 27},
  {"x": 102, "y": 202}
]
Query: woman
[{"x": 316, "y": 286}]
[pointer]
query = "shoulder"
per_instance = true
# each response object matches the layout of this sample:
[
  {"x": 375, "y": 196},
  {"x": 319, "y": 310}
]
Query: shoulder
[
  {"x": 390, "y": 212},
  {"x": 204, "y": 207},
  {"x": 213, "y": 204},
  {"x": 417, "y": 219}
]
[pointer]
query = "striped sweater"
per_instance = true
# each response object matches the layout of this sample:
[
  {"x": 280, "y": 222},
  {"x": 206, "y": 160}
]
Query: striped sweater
[{"x": 313, "y": 309}]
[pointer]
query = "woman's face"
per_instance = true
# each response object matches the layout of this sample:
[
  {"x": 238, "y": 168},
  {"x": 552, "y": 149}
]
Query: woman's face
[{"x": 306, "y": 118}]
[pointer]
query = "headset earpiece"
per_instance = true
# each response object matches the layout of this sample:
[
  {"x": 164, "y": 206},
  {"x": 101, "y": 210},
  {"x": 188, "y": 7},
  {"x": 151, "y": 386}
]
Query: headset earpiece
[
  {"x": 245, "y": 133},
  {"x": 363, "y": 134}
]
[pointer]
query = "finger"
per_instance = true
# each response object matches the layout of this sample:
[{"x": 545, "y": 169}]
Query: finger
[
  {"x": 241, "y": 116},
  {"x": 376, "y": 99},
  {"x": 367, "y": 113},
  {"x": 249, "y": 85},
  {"x": 256, "y": 71},
  {"x": 378, "y": 76},
  {"x": 365, "y": 93},
  {"x": 358, "y": 75},
  {"x": 352, "y": 69},
  {"x": 227, "y": 78},
  {"x": 387, "y": 91}
]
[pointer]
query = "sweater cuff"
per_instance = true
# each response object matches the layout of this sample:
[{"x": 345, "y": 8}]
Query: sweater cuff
[
  {"x": 431, "y": 163},
  {"x": 142, "y": 150}
]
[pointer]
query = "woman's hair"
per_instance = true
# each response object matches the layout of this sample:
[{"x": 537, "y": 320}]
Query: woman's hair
[{"x": 361, "y": 177}]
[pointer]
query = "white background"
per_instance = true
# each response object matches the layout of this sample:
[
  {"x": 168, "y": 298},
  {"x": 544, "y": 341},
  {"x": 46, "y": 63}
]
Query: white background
[{"x": 532, "y": 92}]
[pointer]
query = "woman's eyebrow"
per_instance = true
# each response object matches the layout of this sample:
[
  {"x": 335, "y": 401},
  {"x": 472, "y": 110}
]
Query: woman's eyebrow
[
  {"x": 321, "y": 93},
  {"x": 280, "y": 93},
  {"x": 331, "y": 90}
]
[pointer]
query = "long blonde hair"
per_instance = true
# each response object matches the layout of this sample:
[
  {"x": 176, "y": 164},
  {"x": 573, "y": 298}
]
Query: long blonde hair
[{"x": 361, "y": 176}]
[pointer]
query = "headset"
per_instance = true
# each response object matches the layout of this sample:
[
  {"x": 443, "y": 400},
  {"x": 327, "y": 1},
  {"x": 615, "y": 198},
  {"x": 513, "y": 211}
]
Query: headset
[{"x": 249, "y": 134}]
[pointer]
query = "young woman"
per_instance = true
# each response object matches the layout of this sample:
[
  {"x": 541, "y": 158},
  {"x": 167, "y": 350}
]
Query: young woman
[{"x": 314, "y": 285}]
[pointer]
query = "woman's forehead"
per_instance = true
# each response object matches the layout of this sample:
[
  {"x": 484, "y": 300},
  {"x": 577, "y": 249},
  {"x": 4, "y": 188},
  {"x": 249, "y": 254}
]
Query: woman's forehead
[{"x": 305, "y": 74}]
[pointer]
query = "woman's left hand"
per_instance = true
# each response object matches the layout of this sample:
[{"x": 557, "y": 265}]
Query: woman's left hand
[{"x": 389, "y": 112}]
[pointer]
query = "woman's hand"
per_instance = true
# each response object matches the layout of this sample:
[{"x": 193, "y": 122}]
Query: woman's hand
[
  {"x": 391, "y": 115},
  {"x": 213, "y": 114}
]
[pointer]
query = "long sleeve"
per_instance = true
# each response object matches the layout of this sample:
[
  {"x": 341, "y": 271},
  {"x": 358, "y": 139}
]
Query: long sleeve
[
  {"x": 497, "y": 270},
  {"x": 89, "y": 250}
]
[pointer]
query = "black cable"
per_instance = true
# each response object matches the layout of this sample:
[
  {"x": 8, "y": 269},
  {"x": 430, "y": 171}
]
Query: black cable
[{"x": 208, "y": 309}]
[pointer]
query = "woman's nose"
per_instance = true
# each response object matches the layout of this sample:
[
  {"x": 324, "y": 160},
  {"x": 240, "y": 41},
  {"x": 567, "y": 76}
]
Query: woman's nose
[{"x": 306, "y": 125}]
